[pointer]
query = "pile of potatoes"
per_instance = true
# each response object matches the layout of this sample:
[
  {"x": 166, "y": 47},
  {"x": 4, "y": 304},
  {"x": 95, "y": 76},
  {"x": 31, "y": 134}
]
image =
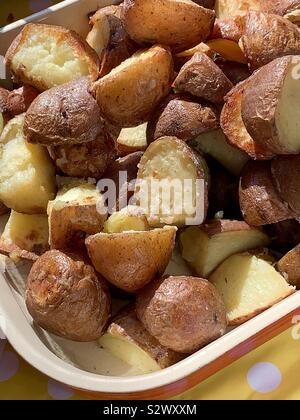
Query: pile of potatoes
[{"x": 206, "y": 91}]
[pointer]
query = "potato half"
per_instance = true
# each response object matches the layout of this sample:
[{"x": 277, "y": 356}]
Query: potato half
[
  {"x": 131, "y": 218},
  {"x": 201, "y": 77},
  {"x": 270, "y": 106},
  {"x": 260, "y": 201},
  {"x": 45, "y": 56},
  {"x": 130, "y": 92},
  {"x": 27, "y": 175},
  {"x": 182, "y": 313},
  {"x": 172, "y": 183},
  {"x": 180, "y": 24},
  {"x": 181, "y": 117},
  {"x": 66, "y": 114},
  {"x": 66, "y": 297},
  {"x": 214, "y": 143},
  {"x": 234, "y": 128},
  {"x": 78, "y": 210},
  {"x": 207, "y": 246},
  {"x": 286, "y": 176},
  {"x": 130, "y": 260},
  {"x": 127, "y": 339},
  {"x": 25, "y": 236},
  {"x": 289, "y": 266},
  {"x": 268, "y": 37},
  {"x": 249, "y": 285},
  {"x": 132, "y": 140}
]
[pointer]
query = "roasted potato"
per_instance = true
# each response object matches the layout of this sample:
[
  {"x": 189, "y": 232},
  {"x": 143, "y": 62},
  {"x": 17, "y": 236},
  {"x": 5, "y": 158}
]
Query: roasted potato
[
  {"x": 281, "y": 7},
  {"x": 123, "y": 173},
  {"x": 231, "y": 28},
  {"x": 78, "y": 210},
  {"x": 214, "y": 144},
  {"x": 234, "y": 128},
  {"x": 130, "y": 260},
  {"x": 130, "y": 218},
  {"x": 249, "y": 285},
  {"x": 129, "y": 93},
  {"x": 45, "y": 56},
  {"x": 65, "y": 114},
  {"x": 182, "y": 313},
  {"x": 25, "y": 236},
  {"x": 172, "y": 184},
  {"x": 286, "y": 176},
  {"x": 132, "y": 140},
  {"x": 207, "y": 246},
  {"x": 184, "y": 56},
  {"x": 99, "y": 36},
  {"x": 127, "y": 339},
  {"x": 201, "y": 77},
  {"x": 19, "y": 100},
  {"x": 181, "y": 117},
  {"x": 86, "y": 160},
  {"x": 285, "y": 235},
  {"x": 235, "y": 72},
  {"x": 270, "y": 106},
  {"x": 230, "y": 8},
  {"x": 289, "y": 266},
  {"x": 27, "y": 175},
  {"x": 66, "y": 297},
  {"x": 260, "y": 201},
  {"x": 180, "y": 24},
  {"x": 4, "y": 115},
  {"x": 268, "y": 37},
  {"x": 228, "y": 50}
]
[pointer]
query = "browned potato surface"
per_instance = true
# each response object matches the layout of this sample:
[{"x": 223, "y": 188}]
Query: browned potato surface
[
  {"x": 236, "y": 72},
  {"x": 19, "y": 100},
  {"x": 286, "y": 176},
  {"x": 260, "y": 201},
  {"x": 289, "y": 266},
  {"x": 130, "y": 92},
  {"x": 128, "y": 339},
  {"x": 268, "y": 37},
  {"x": 66, "y": 114},
  {"x": 130, "y": 260},
  {"x": 180, "y": 24},
  {"x": 66, "y": 297},
  {"x": 234, "y": 127},
  {"x": 201, "y": 77},
  {"x": 270, "y": 106},
  {"x": 230, "y": 8},
  {"x": 45, "y": 56},
  {"x": 77, "y": 211},
  {"x": 285, "y": 235},
  {"x": 231, "y": 28},
  {"x": 181, "y": 117},
  {"x": 281, "y": 7},
  {"x": 86, "y": 160},
  {"x": 172, "y": 183},
  {"x": 182, "y": 313},
  {"x": 207, "y": 246}
]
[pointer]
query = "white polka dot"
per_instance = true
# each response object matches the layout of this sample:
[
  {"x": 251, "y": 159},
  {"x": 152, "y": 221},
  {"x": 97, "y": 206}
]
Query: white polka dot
[
  {"x": 9, "y": 365},
  {"x": 264, "y": 377},
  {"x": 58, "y": 391},
  {"x": 37, "y": 5}
]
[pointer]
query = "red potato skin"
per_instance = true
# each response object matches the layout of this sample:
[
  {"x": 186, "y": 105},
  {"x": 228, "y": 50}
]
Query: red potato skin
[
  {"x": 289, "y": 266},
  {"x": 66, "y": 297},
  {"x": 259, "y": 115},
  {"x": 259, "y": 200},
  {"x": 268, "y": 37},
  {"x": 19, "y": 100},
  {"x": 181, "y": 117},
  {"x": 3, "y": 104},
  {"x": 229, "y": 28},
  {"x": 172, "y": 311},
  {"x": 280, "y": 7},
  {"x": 201, "y": 77}
]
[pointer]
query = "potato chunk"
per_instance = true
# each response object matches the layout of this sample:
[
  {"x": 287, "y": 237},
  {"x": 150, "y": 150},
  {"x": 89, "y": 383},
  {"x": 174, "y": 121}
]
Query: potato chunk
[
  {"x": 207, "y": 246},
  {"x": 130, "y": 218},
  {"x": 249, "y": 285},
  {"x": 27, "y": 175}
]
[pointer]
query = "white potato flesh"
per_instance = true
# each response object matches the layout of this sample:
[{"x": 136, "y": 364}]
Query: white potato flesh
[
  {"x": 287, "y": 116},
  {"x": 228, "y": 8},
  {"x": 204, "y": 253},
  {"x": 133, "y": 137},
  {"x": 99, "y": 36},
  {"x": 130, "y": 218},
  {"x": 249, "y": 285}
]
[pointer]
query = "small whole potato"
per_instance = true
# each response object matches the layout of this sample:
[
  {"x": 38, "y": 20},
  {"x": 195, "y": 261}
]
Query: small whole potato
[
  {"x": 86, "y": 160},
  {"x": 66, "y": 114},
  {"x": 66, "y": 297},
  {"x": 182, "y": 313},
  {"x": 19, "y": 100}
]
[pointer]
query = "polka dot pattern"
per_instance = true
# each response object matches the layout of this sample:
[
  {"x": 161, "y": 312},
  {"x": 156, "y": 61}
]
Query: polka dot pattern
[
  {"x": 264, "y": 377},
  {"x": 58, "y": 391}
]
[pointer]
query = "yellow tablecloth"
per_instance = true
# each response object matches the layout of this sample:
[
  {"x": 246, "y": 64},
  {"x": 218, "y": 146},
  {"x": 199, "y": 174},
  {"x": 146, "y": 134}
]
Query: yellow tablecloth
[{"x": 270, "y": 372}]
